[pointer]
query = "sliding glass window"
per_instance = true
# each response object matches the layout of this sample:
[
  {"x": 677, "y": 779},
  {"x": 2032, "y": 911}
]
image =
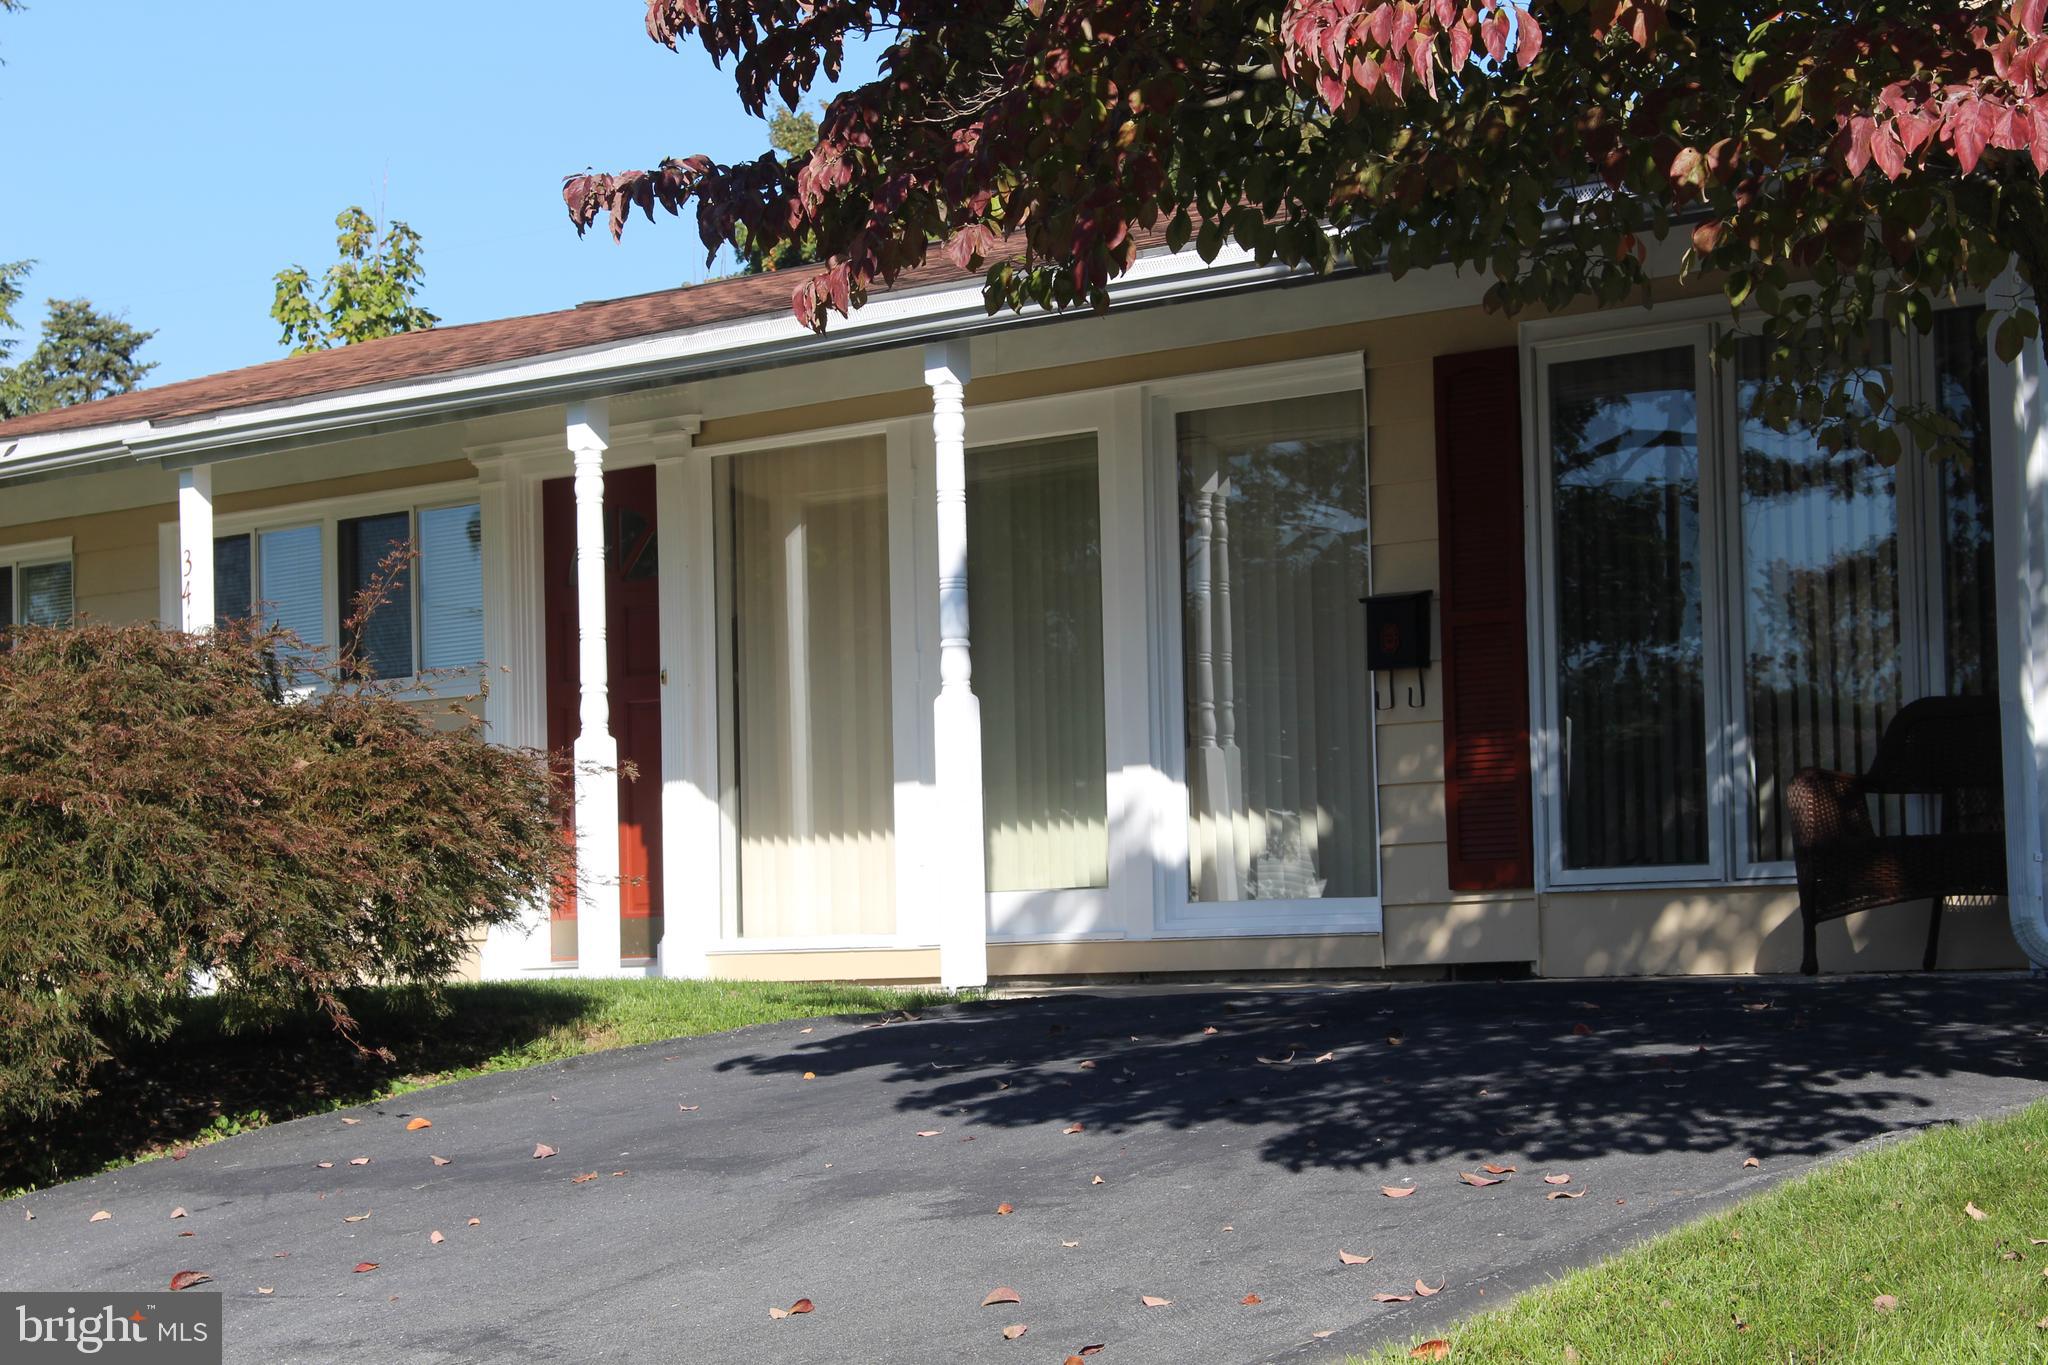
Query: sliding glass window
[
  {"x": 1034, "y": 582},
  {"x": 1280, "y": 768}
]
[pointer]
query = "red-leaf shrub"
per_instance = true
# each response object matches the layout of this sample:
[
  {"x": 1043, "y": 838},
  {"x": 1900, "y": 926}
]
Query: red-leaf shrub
[{"x": 170, "y": 806}]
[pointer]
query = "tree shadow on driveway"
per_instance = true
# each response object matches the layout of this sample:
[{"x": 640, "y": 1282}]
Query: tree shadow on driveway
[{"x": 1379, "y": 1077}]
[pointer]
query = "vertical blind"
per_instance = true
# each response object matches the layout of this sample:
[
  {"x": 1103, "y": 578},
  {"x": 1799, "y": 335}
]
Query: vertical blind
[
  {"x": 1631, "y": 643},
  {"x": 1034, "y": 580},
  {"x": 810, "y": 756},
  {"x": 1279, "y": 717},
  {"x": 451, "y": 587},
  {"x": 1821, "y": 610},
  {"x": 1969, "y": 575}
]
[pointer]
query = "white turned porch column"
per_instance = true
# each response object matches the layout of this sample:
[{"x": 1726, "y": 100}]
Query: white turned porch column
[
  {"x": 2019, "y": 476},
  {"x": 960, "y": 867},
  {"x": 195, "y": 548},
  {"x": 595, "y": 752}
]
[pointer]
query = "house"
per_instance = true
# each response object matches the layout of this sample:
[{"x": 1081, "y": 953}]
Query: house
[{"x": 949, "y": 646}]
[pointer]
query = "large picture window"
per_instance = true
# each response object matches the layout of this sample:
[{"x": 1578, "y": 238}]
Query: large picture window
[
  {"x": 429, "y": 618},
  {"x": 1727, "y": 602}
]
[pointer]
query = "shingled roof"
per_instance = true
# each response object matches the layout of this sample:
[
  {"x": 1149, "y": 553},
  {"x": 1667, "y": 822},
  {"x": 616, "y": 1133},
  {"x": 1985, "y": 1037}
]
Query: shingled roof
[{"x": 446, "y": 350}]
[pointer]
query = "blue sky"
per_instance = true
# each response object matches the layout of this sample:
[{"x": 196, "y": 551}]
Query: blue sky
[{"x": 166, "y": 159}]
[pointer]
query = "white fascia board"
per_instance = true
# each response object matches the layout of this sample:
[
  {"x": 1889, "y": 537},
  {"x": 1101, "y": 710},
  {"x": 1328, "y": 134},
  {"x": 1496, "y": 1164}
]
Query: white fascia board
[{"x": 888, "y": 318}]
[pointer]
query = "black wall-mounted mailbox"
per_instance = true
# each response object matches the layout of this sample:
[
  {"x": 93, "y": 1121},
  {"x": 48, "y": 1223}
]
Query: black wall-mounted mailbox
[{"x": 1397, "y": 631}]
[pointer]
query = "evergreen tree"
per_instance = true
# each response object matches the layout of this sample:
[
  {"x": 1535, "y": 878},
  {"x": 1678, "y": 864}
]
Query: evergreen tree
[{"x": 82, "y": 354}]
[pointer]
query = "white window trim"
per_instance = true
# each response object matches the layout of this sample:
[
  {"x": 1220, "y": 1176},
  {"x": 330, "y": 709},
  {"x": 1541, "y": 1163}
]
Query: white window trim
[
  {"x": 1175, "y": 914},
  {"x": 328, "y": 514},
  {"x": 1923, "y": 625},
  {"x": 33, "y": 554}
]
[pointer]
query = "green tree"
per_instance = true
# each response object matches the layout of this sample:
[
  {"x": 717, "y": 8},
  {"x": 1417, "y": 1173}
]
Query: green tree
[
  {"x": 792, "y": 132},
  {"x": 82, "y": 354},
  {"x": 370, "y": 292}
]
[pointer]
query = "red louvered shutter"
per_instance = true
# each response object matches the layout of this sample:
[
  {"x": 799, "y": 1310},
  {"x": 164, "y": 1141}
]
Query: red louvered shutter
[{"x": 1485, "y": 628}]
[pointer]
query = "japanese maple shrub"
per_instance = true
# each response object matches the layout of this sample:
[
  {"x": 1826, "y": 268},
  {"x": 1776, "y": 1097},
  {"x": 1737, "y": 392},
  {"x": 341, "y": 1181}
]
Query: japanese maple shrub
[{"x": 175, "y": 805}]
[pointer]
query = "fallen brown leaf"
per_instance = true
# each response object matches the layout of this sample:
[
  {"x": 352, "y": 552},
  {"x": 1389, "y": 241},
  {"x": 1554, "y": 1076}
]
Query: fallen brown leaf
[
  {"x": 365, "y": 1267},
  {"x": 355, "y": 1217},
  {"x": 928, "y": 1132},
  {"x": 1154, "y": 1301},
  {"x": 1251, "y": 1298},
  {"x": 1557, "y": 1179},
  {"x": 1089, "y": 1350},
  {"x": 1073, "y": 1360},
  {"x": 265, "y": 1289},
  {"x": 585, "y": 1178},
  {"x": 1209, "y": 1030},
  {"x": 180, "y": 1153},
  {"x": 435, "y": 1237},
  {"x": 351, "y": 1122},
  {"x": 1435, "y": 1348},
  {"x": 1976, "y": 1214},
  {"x": 1072, "y": 1128},
  {"x": 778, "y": 1313},
  {"x": 541, "y": 1149},
  {"x": 413, "y": 1125},
  {"x": 1393, "y": 1298},
  {"x": 689, "y": 1108},
  {"x": 618, "y": 1173},
  {"x": 1884, "y": 1303},
  {"x": 1005, "y": 1209},
  {"x": 812, "y": 1029},
  {"x": 1097, "y": 1180},
  {"x": 178, "y": 1212},
  {"x": 1750, "y": 1161},
  {"x": 1000, "y": 1294},
  {"x": 1327, "y": 1057},
  {"x": 1426, "y": 1291},
  {"x": 1278, "y": 1061},
  {"x": 1070, "y": 1244},
  {"x": 441, "y": 1160},
  {"x": 188, "y": 1234},
  {"x": 185, "y": 1279},
  {"x": 810, "y": 1075},
  {"x": 1326, "y": 1332},
  {"x": 1482, "y": 1181},
  {"x": 803, "y": 1306},
  {"x": 1491, "y": 1169},
  {"x": 1088, "y": 1065},
  {"x": 1566, "y": 1194},
  {"x": 1397, "y": 1191},
  {"x": 359, "y": 1161},
  {"x": 1014, "y": 1330},
  {"x": 324, "y": 1165},
  {"x": 100, "y": 1217},
  {"x": 476, "y": 1222},
  {"x": 1352, "y": 1258}
]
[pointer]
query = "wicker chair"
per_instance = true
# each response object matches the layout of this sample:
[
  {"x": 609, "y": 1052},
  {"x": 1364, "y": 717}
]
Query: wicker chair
[{"x": 1939, "y": 746}]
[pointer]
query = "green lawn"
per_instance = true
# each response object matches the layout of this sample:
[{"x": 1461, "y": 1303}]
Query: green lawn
[
  {"x": 206, "y": 1082},
  {"x": 1792, "y": 1275}
]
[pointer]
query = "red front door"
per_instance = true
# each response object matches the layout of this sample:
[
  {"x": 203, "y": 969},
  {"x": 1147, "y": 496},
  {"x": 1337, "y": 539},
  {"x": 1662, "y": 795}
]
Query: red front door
[{"x": 633, "y": 637}]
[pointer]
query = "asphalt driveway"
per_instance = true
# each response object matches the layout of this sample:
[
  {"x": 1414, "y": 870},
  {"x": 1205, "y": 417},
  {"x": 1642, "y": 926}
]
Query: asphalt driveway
[{"x": 1203, "y": 1148}]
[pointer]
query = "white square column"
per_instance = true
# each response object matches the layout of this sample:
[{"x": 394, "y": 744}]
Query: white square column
[
  {"x": 195, "y": 549},
  {"x": 2019, "y": 476},
  {"x": 960, "y": 869},
  {"x": 690, "y": 817},
  {"x": 595, "y": 753}
]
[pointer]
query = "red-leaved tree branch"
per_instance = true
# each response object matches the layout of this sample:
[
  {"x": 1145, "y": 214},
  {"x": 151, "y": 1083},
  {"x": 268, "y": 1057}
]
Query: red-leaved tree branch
[{"x": 1832, "y": 164}]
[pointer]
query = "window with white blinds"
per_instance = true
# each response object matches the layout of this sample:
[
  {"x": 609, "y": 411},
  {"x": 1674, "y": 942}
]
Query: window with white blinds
[{"x": 310, "y": 579}]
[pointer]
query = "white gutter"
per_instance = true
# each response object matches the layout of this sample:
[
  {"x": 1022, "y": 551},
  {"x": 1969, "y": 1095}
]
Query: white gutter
[{"x": 757, "y": 342}]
